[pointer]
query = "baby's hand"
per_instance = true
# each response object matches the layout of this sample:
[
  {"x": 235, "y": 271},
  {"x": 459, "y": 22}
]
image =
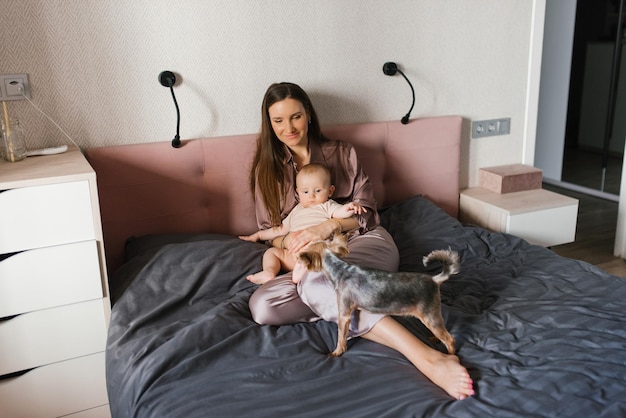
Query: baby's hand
[
  {"x": 355, "y": 208},
  {"x": 253, "y": 238}
]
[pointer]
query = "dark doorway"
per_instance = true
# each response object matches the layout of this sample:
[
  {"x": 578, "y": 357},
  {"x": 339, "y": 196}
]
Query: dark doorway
[{"x": 591, "y": 160}]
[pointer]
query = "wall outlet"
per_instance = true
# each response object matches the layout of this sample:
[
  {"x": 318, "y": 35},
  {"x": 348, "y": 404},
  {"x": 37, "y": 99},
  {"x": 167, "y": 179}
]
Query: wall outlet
[
  {"x": 12, "y": 87},
  {"x": 491, "y": 127}
]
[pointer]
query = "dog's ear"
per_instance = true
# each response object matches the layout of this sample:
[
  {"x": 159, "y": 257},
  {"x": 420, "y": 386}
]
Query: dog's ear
[
  {"x": 312, "y": 260},
  {"x": 341, "y": 239},
  {"x": 305, "y": 258},
  {"x": 350, "y": 234},
  {"x": 339, "y": 245},
  {"x": 340, "y": 250}
]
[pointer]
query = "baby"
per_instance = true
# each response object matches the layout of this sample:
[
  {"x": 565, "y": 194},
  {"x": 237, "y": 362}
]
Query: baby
[{"x": 314, "y": 190}]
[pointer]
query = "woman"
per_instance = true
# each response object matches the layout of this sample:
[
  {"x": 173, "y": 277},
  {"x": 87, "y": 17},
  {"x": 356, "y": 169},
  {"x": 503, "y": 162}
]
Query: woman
[{"x": 290, "y": 138}]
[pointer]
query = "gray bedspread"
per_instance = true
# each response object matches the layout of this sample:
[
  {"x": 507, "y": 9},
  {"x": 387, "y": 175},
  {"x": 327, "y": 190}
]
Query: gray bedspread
[{"x": 541, "y": 335}]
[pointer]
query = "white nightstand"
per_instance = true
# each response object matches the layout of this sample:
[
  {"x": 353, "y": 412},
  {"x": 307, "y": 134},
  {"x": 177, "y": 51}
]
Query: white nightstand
[
  {"x": 539, "y": 216},
  {"x": 54, "y": 298}
]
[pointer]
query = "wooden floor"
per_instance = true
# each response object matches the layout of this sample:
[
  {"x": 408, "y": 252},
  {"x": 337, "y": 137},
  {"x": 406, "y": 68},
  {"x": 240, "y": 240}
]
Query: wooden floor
[{"x": 595, "y": 233}]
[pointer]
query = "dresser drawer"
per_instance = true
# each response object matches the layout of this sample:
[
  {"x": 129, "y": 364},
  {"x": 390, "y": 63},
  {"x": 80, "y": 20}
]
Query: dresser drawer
[
  {"x": 55, "y": 390},
  {"x": 40, "y": 216},
  {"x": 51, "y": 335},
  {"x": 49, "y": 277}
]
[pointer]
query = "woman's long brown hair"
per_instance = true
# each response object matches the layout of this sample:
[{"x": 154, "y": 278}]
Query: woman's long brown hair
[{"x": 268, "y": 169}]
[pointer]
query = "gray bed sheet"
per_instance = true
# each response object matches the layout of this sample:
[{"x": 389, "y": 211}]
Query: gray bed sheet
[{"x": 541, "y": 335}]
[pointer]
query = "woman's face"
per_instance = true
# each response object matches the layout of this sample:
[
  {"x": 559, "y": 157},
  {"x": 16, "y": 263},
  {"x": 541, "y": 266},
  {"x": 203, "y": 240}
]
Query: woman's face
[{"x": 290, "y": 122}]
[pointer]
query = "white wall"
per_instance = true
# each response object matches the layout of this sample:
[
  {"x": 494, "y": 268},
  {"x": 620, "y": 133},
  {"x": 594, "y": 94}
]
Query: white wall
[
  {"x": 93, "y": 65},
  {"x": 554, "y": 91}
]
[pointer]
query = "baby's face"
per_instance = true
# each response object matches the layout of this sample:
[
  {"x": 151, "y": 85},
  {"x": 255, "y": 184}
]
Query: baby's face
[{"x": 313, "y": 189}]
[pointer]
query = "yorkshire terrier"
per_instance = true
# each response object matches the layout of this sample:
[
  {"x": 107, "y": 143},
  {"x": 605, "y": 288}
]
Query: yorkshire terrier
[{"x": 377, "y": 291}]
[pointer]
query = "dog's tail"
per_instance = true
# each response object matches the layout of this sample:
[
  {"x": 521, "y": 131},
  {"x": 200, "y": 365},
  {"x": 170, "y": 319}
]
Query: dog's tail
[{"x": 450, "y": 260}]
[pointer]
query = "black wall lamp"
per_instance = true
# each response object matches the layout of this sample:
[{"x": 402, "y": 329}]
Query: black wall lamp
[
  {"x": 391, "y": 68},
  {"x": 167, "y": 79}
]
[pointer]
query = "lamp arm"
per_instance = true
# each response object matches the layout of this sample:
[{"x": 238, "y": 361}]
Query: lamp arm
[
  {"x": 176, "y": 141},
  {"x": 391, "y": 68},
  {"x": 405, "y": 119},
  {"x": 168, "y": 79}
]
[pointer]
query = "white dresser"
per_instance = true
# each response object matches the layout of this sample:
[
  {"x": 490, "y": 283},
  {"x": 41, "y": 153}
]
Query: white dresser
[{"x": 54, "y": 298}]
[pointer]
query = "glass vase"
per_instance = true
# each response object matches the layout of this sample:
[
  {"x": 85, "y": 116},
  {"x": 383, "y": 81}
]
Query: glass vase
[{"x": 14, "y": 147}]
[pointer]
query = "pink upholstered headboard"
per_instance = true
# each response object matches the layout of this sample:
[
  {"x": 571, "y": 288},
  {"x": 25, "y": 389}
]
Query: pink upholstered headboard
[{"x": 202, "y": 186}]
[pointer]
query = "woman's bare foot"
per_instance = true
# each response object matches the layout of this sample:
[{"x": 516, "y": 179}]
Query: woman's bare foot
[
  {"x": 448, "y": 373},
  {"x": 261, "y": 277},
  {"x": 444, "y": 370}
]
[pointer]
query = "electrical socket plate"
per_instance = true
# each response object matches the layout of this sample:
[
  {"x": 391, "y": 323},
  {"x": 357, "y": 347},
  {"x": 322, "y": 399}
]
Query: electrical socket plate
[
  {"x": 491, "y": 127},
  {"x": 9, "y": 87}
]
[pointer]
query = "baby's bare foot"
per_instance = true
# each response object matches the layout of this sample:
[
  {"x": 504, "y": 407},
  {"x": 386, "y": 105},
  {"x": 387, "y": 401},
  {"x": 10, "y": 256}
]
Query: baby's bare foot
[
  {"x": 447, "y": 372},
  {"x": 261, "y": 277}
]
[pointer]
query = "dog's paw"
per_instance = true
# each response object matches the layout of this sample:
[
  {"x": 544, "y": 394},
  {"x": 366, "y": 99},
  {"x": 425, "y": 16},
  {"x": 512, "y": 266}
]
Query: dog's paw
[{"x": 339, "y": 350}]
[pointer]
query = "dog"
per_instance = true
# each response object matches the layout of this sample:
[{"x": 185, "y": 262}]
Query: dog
[{"x": 377, "y": 291}]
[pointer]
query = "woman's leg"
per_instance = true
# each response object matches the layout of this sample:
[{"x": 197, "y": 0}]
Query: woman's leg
[
  {"x": 277, "y": 303},
  {"x": 377, "y": 250},
  {"x": 444, "y": 370}
]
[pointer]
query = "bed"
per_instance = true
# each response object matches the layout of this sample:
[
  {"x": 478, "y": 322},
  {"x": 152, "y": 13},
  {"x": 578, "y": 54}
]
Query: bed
[{"x": 541, "y": 335}]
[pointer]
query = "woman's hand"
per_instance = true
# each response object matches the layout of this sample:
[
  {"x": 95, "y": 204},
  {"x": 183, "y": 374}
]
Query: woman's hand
[{"x": 296, "y": 241}]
